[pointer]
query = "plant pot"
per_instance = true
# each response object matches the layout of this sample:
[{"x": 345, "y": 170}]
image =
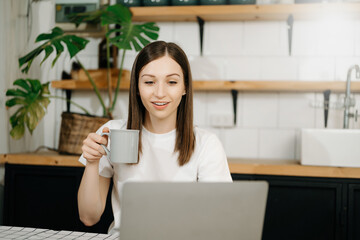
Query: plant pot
[{"x": 74, "y": 129}]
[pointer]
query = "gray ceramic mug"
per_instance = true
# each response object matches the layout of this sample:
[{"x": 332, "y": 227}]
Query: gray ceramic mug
[{"x": 123, "y": 145}]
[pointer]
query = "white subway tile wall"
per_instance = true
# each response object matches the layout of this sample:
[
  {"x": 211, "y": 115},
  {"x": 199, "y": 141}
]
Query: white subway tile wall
[
  {"x": 357, "y": 38},
  {"x": 265, "y": 39},
  {"x": 186, "y": 35},
  {"x": 295, "y": 110},
  {"x": 243, "y": 68},
  {"x": 335, "y": 37},
  {"x": 278, "y": 68},
  {"x": 200, "y": 108},
  {"x": 268, "y": 124},
  {"x": 223, "y": 38},
  {"x": 277, "y": 144},
  {"x": 316, "y": 68},
  {"x": 207, "y": 68},
  {"x": 305, "y": 34},
  {"x": 240, "y": 143},
  {"x": 258, "y": 110},
  {"x": 166, "y": 31},
  {"x": 218, "y": 103}
]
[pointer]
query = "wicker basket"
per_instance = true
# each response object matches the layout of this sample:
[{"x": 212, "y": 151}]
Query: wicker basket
[{"x": 75, "y": 128}]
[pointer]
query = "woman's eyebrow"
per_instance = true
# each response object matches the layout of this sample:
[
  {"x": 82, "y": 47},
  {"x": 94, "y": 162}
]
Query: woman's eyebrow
[
  {"x": 150, "y": 75},
  {"x": 147, "y": 75},
  {"x": 173, "y": 74}
]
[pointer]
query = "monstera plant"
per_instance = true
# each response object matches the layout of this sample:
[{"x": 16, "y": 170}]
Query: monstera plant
[{"x": 32, "y": 98}]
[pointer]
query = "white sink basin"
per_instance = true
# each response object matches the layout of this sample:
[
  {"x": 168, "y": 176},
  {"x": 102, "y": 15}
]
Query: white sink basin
[{"x": 330, "y": 147}]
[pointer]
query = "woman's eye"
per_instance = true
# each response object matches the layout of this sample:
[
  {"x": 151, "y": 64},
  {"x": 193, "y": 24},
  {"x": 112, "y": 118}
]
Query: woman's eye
[
  {"x": 172, "y": 82},
  {"x": 149, "y": 82}
]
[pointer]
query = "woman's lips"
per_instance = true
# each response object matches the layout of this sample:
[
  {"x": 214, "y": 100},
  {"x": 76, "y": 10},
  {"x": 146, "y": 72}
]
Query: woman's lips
[{"x": 160, "y": 105}]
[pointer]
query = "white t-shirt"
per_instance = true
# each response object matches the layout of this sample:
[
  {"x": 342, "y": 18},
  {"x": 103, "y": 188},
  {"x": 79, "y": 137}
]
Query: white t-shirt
[{"x": 158, "y": 162}]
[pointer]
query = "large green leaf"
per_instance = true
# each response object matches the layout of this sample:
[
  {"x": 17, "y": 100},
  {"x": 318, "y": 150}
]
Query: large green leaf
[
  {"x": 32, "y": 101},
  {"x": 129, "y": 35},
  {"x": 116, "y": 14},
  {"x": 54, "y": 40}
]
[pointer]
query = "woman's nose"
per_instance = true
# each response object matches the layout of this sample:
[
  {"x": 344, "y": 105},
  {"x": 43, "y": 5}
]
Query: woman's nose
[{"x": 160, "y": 90}]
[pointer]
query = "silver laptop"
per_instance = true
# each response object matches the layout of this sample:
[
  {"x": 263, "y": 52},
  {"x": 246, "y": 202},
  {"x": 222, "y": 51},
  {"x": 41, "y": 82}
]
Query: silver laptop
[{"x": 193, "y": 211}]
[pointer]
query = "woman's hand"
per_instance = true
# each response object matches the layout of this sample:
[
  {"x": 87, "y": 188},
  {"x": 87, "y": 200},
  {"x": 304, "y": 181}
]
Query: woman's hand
[{"x": 92, "y": 150}]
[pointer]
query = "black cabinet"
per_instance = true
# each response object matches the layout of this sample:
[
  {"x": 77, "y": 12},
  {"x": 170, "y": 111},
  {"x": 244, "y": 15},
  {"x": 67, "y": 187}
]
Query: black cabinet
[
  {"x": 354, "y": 210},
  {"x": 310, "y": 208},
  {"x": 46, "y": 197}
]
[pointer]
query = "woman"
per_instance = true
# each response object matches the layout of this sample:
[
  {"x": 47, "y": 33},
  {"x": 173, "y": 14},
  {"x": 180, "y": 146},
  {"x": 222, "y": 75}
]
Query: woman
[{"x": 170, "y": 148}]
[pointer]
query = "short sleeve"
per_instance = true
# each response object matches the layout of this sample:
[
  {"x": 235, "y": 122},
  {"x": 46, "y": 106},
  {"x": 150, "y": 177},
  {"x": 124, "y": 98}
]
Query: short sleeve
[
  {"x": 105, "y": 166},
  {"x": 213, "y": 164}
]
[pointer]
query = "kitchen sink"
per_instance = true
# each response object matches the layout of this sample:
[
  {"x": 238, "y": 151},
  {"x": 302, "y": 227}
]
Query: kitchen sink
[{"x": 330, "y": 147}]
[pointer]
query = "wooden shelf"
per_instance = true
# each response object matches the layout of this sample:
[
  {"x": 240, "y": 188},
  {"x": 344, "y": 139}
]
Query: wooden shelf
[
  {"x": 275, "y": 86},
  {"x": 258, "y": 86},
  {"x": 86, "y": 85},
  {"x": 245, "y": 12}
]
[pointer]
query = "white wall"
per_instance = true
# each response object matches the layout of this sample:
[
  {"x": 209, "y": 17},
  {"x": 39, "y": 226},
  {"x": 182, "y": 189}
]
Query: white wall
[
  {"x": 3, "y": 85},
  {"x": 268, "y": 123}
]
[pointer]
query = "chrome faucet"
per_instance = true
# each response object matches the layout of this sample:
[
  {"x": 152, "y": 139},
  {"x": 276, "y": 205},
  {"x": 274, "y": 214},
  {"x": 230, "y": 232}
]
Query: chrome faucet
[{"x": 348, "y": 101}]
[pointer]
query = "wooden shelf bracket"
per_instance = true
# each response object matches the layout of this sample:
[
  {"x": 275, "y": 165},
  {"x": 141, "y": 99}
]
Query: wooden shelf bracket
[
  {"x": 201, "y": 23},
  {"x": 290, "y": 23},
  {"x": 234, "y": 94}
]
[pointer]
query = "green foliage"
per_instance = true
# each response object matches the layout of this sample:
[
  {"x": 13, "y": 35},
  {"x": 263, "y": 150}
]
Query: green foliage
[
  {"x": 54, "y": 41},
  {"x": 31, "y": 98},
  {"x": 129, "y": 35}
]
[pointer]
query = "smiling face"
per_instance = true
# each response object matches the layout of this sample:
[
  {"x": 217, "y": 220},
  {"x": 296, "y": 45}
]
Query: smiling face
[{"x": 161, "y": 87}]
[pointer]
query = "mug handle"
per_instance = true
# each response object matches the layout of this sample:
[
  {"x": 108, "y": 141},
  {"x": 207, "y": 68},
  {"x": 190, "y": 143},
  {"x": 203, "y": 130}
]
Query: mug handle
[{"x": 104, "y": 147}]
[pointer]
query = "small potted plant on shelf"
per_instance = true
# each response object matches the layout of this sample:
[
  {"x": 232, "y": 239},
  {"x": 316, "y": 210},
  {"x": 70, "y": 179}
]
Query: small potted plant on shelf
[{"x": 32, "y": 98}]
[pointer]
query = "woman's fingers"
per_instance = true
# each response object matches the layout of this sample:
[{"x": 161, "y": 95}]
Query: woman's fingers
[
  {"x": 95, "y": 146},
  {"x": 90, "y": 153},
  {"x": 97, "y": 138},
  {"x": 92, "y": 149}
]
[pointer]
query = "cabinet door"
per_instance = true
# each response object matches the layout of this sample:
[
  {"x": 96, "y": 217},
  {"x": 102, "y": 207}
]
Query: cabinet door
[
  {"x": 354, "y": 212},
  {"x": 301, "y": 208},
  {"x": 46, "y": 197}
]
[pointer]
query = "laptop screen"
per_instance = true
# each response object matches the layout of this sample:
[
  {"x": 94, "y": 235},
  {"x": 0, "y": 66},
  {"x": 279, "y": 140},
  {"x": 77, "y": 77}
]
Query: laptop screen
[{"x": 187, "y": 211}]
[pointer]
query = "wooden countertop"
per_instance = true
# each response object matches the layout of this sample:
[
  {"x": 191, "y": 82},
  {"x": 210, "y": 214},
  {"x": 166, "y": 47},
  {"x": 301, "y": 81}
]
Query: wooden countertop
[
  {"x": 241, "y": 166},
  {"x": 48, "y": 158}
]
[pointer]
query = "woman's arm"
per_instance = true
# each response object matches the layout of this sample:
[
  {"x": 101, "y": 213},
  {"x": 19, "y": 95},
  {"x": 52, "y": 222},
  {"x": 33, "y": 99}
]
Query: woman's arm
[
  {"x": 92, "y": 194},
  {"x": 93, "y": 188}
]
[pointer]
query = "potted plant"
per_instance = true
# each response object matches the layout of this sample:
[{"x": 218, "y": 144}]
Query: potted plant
[{"x": 32, "y": 98}]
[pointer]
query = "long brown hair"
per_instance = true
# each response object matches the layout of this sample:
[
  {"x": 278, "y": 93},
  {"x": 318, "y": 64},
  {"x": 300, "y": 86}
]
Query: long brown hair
[{"x": 185, "y": 138}]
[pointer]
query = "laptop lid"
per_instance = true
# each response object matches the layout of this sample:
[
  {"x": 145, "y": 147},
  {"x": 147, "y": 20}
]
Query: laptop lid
[{"x": 189, "y": 211}]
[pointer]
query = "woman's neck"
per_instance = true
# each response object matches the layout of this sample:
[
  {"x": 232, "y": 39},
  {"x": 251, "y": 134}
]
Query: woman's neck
[{"x": 159, "y": 126}]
